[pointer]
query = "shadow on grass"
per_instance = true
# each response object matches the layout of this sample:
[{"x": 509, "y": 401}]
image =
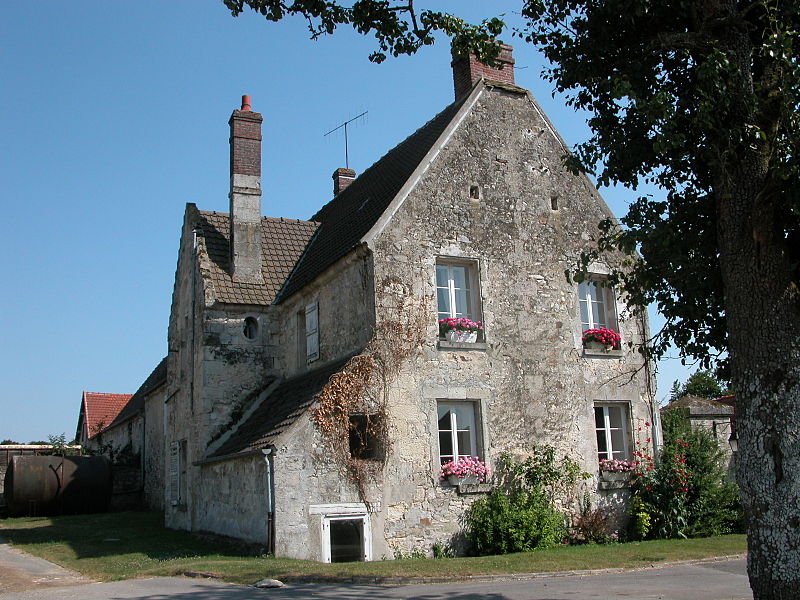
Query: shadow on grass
[{"x": 111, "y": 534}]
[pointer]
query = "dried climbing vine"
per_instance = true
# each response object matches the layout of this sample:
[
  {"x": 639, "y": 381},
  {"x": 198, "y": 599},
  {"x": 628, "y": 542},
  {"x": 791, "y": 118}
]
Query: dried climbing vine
[{"x": 351, "y": 412}]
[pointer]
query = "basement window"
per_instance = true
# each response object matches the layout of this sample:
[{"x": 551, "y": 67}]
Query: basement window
[
  {"x": 346, "y": 538},
  {"x": 364, "y": 439}
]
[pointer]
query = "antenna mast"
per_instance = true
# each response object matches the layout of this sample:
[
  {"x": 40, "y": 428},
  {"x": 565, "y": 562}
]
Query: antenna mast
[{"x": 344, "y": 126}]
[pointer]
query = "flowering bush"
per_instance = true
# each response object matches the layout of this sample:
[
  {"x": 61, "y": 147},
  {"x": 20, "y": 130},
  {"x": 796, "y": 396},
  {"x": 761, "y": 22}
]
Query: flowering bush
[
  {"x": 460, "y": 324},
  {"x": 612, "y": 465},
  {"x": 604, "y": 335},
  {"x": 464, "y": 466}
]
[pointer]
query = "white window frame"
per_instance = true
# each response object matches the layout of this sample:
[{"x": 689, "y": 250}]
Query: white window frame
[
  {"x": 473, "y": 289},
  {"x": 611, "y": 452},
  {"x": 475, "y": 439},
  {"x": 312, "y": 332},
  {"x": 346, "y": 515},
  {"x": 605, "y": 296}
]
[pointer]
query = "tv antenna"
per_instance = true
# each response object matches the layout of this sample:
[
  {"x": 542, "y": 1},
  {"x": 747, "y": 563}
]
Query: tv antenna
[{"x": 344, "y": 126}]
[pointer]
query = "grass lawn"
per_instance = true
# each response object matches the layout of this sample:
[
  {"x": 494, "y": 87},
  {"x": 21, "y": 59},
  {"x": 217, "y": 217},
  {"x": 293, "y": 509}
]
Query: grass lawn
[{"x": 135, "y": 544}]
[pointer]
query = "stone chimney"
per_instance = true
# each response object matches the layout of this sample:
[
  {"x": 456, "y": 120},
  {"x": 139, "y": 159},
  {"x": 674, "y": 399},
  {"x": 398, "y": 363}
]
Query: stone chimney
[
  {"x": 342, "y": 178},
  {"x": 468, "y": 69},
  {"x": 245, "y": 194}
]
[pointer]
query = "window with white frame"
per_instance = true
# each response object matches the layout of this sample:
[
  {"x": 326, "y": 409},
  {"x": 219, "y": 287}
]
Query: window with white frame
[
  {"x": 597, "y": 305},
  {"x": 457, "y": 292},
  {"x": 458, "y": 431},
  {"x": 611, "y": 425}
]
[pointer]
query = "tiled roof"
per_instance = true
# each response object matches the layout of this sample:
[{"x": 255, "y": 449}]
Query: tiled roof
[
  {"x": 136, "y": 403},
  {"x": 351, "y": 214},
  {"x": 282, "y": 243},
  {"x": 701, "y": 406},
  {"x": 101, "y": 409},
  {"x": 279, "y": 410}
]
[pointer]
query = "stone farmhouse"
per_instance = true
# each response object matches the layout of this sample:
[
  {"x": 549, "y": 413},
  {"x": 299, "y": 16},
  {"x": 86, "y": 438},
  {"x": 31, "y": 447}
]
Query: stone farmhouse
[{"x": 473, "y": 215}]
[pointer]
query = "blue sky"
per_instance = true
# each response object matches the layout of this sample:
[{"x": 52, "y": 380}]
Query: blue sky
[{"x": 114, "y": 115}]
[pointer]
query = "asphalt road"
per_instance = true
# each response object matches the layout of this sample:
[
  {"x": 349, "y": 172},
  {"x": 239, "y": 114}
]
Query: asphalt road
[{"x": 721, "y": 580}]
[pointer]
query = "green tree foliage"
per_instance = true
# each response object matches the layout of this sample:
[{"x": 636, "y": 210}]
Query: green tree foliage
[{"x": 702, "y": 383}]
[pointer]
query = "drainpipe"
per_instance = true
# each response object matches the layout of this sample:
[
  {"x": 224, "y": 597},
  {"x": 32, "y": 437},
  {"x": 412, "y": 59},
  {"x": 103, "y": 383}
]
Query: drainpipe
[{"x": 269, "y": 454}]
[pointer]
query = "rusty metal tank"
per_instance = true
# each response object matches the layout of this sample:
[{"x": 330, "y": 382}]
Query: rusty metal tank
[{"x": 55, "y": 485}]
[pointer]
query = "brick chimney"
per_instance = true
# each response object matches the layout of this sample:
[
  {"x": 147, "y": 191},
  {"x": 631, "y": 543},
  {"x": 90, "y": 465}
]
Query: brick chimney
[
  {"x": 245, "y": 194},
  {"x": 468, "y": 69},
  {"x": 342, "y": 178}
]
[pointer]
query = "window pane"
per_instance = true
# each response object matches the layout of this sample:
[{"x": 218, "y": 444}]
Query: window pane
[
  {"x": 599, "y": 314},
  {"x": 441, "y": 276},
  {"x": 445, "y": 444},
  {"x": 462, "y": 303},
  {"x": 601, "y": 443},
  {"x": 617, "y": 444},
  {"x": 465, "y": 415},
  {"x": 347, "y": 539},
  {"x": 615, "y": 417},
  {"x": 459, "y": 276},
  {"x": 443, "y": 302},
  {"x": 464, "y": 443},
  {"x": 584, "y": 314},
  {"x": 599, "y": 421},
  {"x": 444, "y": 418}
]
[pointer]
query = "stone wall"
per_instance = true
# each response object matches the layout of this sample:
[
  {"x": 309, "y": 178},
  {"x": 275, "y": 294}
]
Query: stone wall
[
  {"x": 346, "y": 301},
  {"x": 153, "y": 455},
  {"x": 234, "y": 498}
]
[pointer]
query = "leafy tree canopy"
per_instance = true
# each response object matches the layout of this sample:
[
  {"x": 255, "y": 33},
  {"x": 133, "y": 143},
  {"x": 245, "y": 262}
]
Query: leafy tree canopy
[{"x": 702, "y": 383}]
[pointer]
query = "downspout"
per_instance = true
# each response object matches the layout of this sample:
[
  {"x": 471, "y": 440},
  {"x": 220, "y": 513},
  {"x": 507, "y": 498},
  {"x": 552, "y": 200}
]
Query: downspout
[{"x": 269, "y": 458}]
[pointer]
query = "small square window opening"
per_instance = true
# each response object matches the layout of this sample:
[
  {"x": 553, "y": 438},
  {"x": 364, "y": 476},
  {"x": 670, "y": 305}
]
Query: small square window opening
[{"x": 364, "y": 437}]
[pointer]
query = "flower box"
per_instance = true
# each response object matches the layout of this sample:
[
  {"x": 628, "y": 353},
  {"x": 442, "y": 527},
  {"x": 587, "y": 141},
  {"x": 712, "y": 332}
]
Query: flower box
[
  {"x": 601, "y": 338},
  {"x": 597, "y": 346},
  {"x": 467, "y": 479},
  {"x": 464, "y": 337},
  {"x": 614, "y": 476},
  {"x": 460, "y": 330},
  {"x": 465, "y": 470}
]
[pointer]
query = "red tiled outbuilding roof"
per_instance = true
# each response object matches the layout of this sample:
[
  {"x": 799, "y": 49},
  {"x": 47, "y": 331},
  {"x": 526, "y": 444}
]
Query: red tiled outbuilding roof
[{"x": 100, "y": 409}]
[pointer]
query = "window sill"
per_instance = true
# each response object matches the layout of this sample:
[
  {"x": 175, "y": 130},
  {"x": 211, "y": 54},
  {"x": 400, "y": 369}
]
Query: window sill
[
  {"x": 592, "y": 353},
  {"x": 464, "y": 489},
  {"x": 445, "y": 345},
  {"x": 613, "y": 485}
]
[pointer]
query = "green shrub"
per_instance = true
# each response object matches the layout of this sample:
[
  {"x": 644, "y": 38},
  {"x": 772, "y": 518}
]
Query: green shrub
[
  {"x": 520, "y": 514},
  {"x": 519, "y": 521},
  {"x": 686, "y": 493}
]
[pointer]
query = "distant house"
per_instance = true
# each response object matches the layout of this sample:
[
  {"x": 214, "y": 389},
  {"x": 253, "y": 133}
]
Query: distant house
[
  {"x": 472, "y": 216},
  {"x": 97, "y": 412},
  {"x": 129, "y": 430}
]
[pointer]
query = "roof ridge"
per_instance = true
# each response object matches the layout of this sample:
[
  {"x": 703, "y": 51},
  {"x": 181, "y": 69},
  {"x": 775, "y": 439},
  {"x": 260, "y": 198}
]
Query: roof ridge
[{"x": 347, "y": 217}]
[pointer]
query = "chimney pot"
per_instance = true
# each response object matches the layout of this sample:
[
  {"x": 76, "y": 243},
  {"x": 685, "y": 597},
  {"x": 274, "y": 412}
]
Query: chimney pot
[
  {"x": 246, "y": 103},
  {"x": 342, "y": 178},
  {"x": 468, "y": 69}
]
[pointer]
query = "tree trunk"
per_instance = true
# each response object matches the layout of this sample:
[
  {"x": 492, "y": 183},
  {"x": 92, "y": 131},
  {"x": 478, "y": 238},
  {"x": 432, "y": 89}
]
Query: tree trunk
[
  {"x": 763, "y": 316},
  {"x": 762, "y": 305}
]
